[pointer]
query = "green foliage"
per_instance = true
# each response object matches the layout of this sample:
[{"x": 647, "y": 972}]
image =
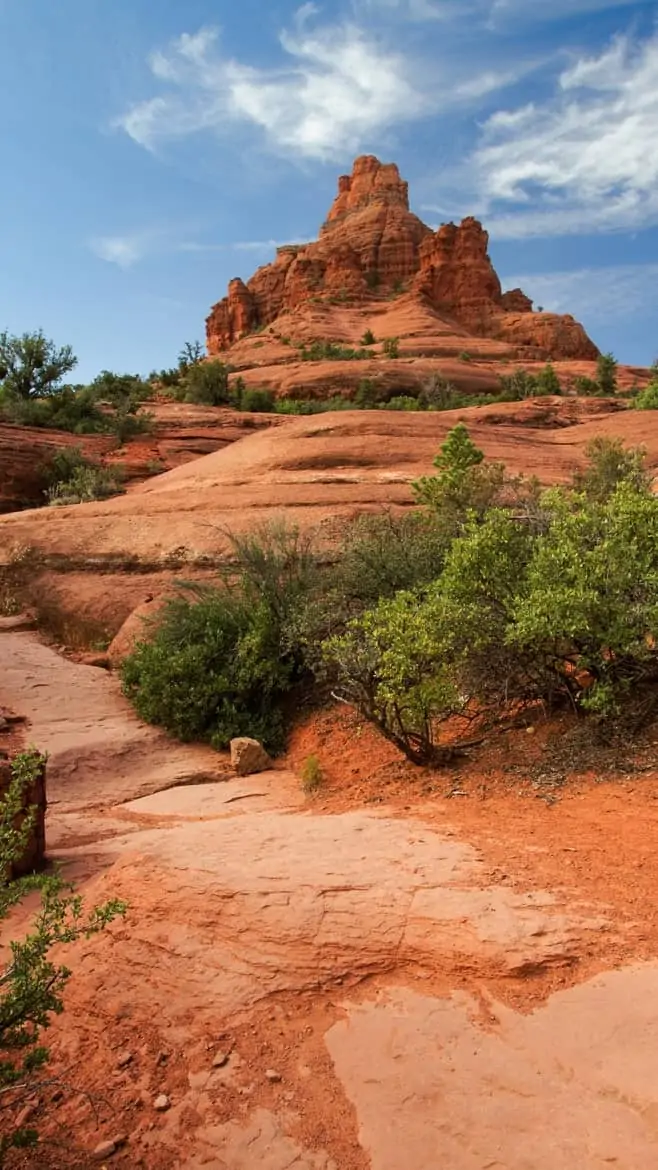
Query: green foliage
[
  {"x": 330, "y": 351},
  {"x": 402, "y": 402},
  {"x": 31, "y": 983},
  {"x": 191, "y": 354},
  {"x": 32, "y": 366},
  {"x": 84, "y": 483},
  {"x": 548, "y": 381},
  {"x": 465, "y": 356},
  {"x": 367, "y": 394},
  {"x": 213, "y": 670},
  {"x": 368, "y": 338},
  {"x": 647, "y": 399},
  {"x": 217, "y": 665},
  {"x": 464, "y": 483},
  {"x": 391, "y": 347},
  {"x": 545, "y": 598},
  {"x": 312, "y": 775},
  {"x": 606, "y": 374},
  {"x": 206, "y": 384},
  {"x": 257, "y": 401},
  {"x": 609, "y": 463},
  {"x": 586, "y": 387}
]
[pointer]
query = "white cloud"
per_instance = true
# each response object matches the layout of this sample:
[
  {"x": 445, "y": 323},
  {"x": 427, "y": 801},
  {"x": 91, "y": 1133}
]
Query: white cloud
[
  {"x": 337, "y": 89},
  {"x": 544, "y": 11},
  {"x": 603, "y": 296},
  {"x": 121, "y": 250},
  {"x": 586, "y": 160}
]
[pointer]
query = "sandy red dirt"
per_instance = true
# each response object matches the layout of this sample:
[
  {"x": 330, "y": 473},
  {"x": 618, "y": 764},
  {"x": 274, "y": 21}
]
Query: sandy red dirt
[{"x": 454, "y": 967}]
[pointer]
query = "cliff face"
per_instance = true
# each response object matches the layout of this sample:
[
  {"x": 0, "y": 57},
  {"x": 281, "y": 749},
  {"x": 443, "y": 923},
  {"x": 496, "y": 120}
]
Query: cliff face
[{"x": 370, "y": 246}]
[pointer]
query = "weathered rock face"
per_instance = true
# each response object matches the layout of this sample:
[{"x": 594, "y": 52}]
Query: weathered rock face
[{"x": 370, "y": 245}]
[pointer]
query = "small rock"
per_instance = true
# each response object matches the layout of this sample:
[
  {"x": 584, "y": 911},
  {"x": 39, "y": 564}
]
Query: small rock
[
  {"x": 163, "y": 1057},
  {"x": 25, "y": 1115},
  {"x": 221, "y": 1060},
  {"x": 125, "y": 1059},
  {"x": 530, "y": 731},
  {"x": 249, "y": 756},
  {"x": 104, "y": 1150},
  {"x": 161, "y": 1103},
  {"x": 272, "y": 1076}
]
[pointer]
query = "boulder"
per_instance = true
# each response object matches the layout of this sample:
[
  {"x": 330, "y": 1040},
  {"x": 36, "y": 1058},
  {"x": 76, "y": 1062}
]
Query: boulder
[
  {"x": 249, "y": 756},
  {"x": 136, "y": 628}
]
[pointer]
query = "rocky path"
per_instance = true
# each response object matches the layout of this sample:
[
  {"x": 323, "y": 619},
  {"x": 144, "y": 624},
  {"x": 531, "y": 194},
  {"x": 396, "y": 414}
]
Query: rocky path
[{"x": 324, "y": 992}]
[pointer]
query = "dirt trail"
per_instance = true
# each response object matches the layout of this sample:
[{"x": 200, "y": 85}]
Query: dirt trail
[{"x": 324, "y": 991}]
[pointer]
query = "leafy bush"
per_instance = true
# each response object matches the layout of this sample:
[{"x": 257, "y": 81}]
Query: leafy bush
[
  {"x": 32, "y": 984},
  {"x": 368, "y": 338},
  {"x": 32, "y": 366},
  {"x": 402, "y": 402},
  {"x": 85, "y": 483},
  {"x": 312, "y": 775},
  {"x": 609, "y": 463},
  {"x": 212, "y": 671},
  {"x": 330, "y": 351},
  {"x": 206, "y": 384},
  {"x": 391, "y": 347},
  {"x": 217, "y": 666},
  {"x": 257, "y": 401},
  {"x": 647, "y": 399},
  {"x": 556, "y": 601},
  {"x": 606, "y": 374},
  {"x": 465, "y": 356},
  {"x": 191, "y": 354}
]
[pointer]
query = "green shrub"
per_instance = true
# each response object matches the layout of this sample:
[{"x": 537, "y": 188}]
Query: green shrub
[
  {"x": 402, "y": 402},
  {"x": 85, "y": 483},
  {"x": 32, "y": 984},
  {"x": 465, "y": 356},
  {"x": 555, "y": 601},
  {"x": 368, "y": 338},
  {"x": 257, "y": 401},
  {"x": 32, "y": 366},
  {"x": 212, "y": 671},
  {"x": 391, "y": 347},
  {"x": 609, "y": 463},
  {"x": 330, "y": 351},
  {"x": 647, "y": 399},
  {"x": 606, "y": 374},
  {"x": 312, "y": 775},
  {"x": 206, "y": 384},
  {"x": 218, "y": 665},
  {"x": 586, "y": 387},
  {"x": 547, "y": 381}
]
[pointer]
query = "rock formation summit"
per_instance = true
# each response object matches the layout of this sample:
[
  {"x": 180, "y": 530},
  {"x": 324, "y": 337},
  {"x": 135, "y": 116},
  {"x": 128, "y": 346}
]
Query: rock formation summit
[{"x": 371, "y": 249}]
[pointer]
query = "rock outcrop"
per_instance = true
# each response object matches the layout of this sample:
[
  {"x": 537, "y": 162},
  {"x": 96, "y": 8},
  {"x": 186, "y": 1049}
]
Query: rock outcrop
[{"x": 372, "y": 246}]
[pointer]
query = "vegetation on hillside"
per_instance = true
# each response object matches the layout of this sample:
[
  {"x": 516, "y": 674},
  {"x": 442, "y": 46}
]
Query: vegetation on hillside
[{"x": 495, "y": 595}]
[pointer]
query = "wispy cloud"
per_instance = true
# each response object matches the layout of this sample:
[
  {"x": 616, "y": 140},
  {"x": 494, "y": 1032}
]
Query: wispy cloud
[
  {"x": 584, "y": 161},
  {"x": 602, "y": 295},
  {"x": 242, "y": 245},
  {"x": 123, "y": 251},
  {"x": 337, "y": 88}
]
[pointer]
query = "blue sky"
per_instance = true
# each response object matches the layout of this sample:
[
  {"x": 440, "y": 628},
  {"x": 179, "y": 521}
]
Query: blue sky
[{"x": 153, "y": 150}]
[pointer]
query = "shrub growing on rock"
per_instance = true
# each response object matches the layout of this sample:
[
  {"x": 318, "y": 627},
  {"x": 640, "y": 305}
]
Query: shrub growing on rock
[{"x": 31, "y": 981}]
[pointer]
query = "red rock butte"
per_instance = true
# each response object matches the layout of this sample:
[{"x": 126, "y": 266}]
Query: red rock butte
[{"x": 372, "y": 248}]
